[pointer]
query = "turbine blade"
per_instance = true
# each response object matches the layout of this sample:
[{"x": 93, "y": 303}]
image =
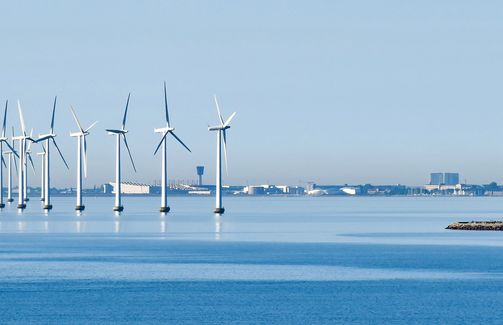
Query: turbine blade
[
  {"x": 166, "y": 103},
  {"x": 5, "y": 119},
  {"x": 114, "y": 131},
  {"x": 92, "y": 125},
  {"x": 229, "y": 119},
  {"x": 53, "y": 113},
  {"x": 42, "y": 139},
  {"x": 85, "y": 156},
  {"x": 21, "y": 118},
  {"x": 32, "y": 164},
  {"x": 225, "y": 152},
  {"x": 218, "y": 110},
  {"x": 178, "y": 139},
  {"x": 3, "y": 162},
  {"x": 60, "y": 154},
  {"x": 31, "y": 140},
  {"x": 125, "y": 112},
  {"x": 76, "y": 119},
  {"x": 129, "y": 151},
  {"x": 160, "y": 143},
  {"x": 11, "y": 148}
]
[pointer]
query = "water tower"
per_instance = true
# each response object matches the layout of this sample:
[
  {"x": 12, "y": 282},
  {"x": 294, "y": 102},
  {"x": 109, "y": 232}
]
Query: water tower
[{"x": 200, "y": 173}]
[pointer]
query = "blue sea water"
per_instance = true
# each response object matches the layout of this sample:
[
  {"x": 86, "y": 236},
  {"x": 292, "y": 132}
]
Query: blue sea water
[{"x": 285, "y": 260}]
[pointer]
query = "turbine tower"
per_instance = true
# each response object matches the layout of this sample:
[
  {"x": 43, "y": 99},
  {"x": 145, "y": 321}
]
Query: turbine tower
[
  {"x": 120, "y": 134},
  {"x": 47, "y": 158},
  {"x": 3, "y": 140},
  {"x": 22, "y": 158},
  {"x": 9, "y": 170},
  {"x": 30, "y": 159},
  {"x": 221, "y": 137},
  {"x": 81, "y": 142},
  {"x": 165, "y": 131},
  {"x": 42, "y": 173}
]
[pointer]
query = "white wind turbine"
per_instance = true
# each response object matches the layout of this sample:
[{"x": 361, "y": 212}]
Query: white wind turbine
[
  {"x": 118, "y": 134},
  {"x": 81, "y": 147},
  {"x": 165, "y": 131},
  {"x": 47, "y": 159},
  {"x": 3, "y": 140},
  {"x": 22, "y": 159},
  {"x": 221, "y": 137},
  {"x": 9, "y": 169}
]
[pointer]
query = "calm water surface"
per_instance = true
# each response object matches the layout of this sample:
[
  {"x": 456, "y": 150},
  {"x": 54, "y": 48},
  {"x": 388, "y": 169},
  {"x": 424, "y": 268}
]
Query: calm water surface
[{"x": 267, "y": 260}]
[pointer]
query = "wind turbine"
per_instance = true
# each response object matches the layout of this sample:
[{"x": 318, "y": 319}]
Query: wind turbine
[
  {"x": 22, "y": 158},
  {"x": 165, "y": 131},
  {"x": 221, "y": 135},
  {"x": 9, "y": 170},
  {"x": 3, "y": 140},
  {"x": 47, "y": 158},
  {"x": 118, "y": 134},
  {"x": 81, "y": 142}
]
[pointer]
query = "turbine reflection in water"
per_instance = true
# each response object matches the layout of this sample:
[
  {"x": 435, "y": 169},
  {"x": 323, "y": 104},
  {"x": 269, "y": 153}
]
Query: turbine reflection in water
[{"x": 218, "y": 226}]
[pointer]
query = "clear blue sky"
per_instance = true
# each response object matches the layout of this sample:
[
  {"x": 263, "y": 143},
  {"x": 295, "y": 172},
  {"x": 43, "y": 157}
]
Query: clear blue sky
[{"x": 330, "y": 91}]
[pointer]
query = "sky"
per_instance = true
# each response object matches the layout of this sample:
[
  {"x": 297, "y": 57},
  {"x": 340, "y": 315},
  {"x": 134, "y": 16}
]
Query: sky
[{"x": 333, "y": 92}]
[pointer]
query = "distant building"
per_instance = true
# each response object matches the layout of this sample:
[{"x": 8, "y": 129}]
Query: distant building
[
  {"x": 444, "y": 179},
  {"x": 200, "y": 173},
  {"x": 132, "y": 188},
  {"x": 256, "y": 190},
  {"x": 436, "y": 178},
  {"x": 451, "y": 178},
  {"x": 107, "y": 188},
  {"x": 350, "y": 190}
]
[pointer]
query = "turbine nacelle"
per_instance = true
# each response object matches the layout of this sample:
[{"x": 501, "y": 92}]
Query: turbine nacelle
[
  {"x": 219, "y": 128},
  {"x": 44, "y": 137},
  {"x": 112, "y": 132},
  {"x": 164, "y": 130},
  {"x": 22, "y": 137},
  {"x": 79, "y": 134}
]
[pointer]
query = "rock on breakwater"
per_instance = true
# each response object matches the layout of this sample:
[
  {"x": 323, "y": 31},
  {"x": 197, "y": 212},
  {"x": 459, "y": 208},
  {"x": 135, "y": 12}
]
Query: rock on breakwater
[{"x": 477, "y": 225}]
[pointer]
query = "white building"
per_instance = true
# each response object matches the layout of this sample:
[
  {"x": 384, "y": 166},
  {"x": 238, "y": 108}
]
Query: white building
[{"x": 132, "y": 188}]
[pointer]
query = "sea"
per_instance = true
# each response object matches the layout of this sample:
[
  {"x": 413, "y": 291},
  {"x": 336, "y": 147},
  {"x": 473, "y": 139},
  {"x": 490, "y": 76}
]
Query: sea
[{"x": 267, "y": 260}]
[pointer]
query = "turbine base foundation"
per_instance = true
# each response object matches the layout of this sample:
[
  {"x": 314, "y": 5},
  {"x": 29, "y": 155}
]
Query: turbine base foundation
[
  {"x": 42, "y": 199},
  {"x": 21, "y": 206},
  {"x": 165, "y": 209},
  {"x": 10, "y": 200},
  {"x": 80, "y": 208},
  {"x": 219, "y": 211},
  {"x": 27, "y": 199},
  {"x": 48, "y": 207},
  {"x": 119, "y": 209},
  {"x": 2, "y": 205}
]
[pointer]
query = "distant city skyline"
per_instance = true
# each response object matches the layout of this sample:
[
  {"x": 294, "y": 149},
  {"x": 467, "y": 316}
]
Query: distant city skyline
[{"x": 333, "y": 92}]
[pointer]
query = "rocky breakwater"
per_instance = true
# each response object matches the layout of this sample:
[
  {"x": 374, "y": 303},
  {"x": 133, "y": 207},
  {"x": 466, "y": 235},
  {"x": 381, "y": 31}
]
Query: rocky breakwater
[{"x": 477, "y": 225}]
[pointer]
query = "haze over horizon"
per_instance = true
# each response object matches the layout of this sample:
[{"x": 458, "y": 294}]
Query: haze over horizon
[{"x": 325, "y": 91}]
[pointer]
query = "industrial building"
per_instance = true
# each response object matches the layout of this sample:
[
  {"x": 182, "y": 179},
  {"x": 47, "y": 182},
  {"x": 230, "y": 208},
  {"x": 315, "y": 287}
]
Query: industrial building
[
  {"x": 451, "y": 178},
  {"x": 436, "y": 178},
  {"x": 444, "y": 179}
]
